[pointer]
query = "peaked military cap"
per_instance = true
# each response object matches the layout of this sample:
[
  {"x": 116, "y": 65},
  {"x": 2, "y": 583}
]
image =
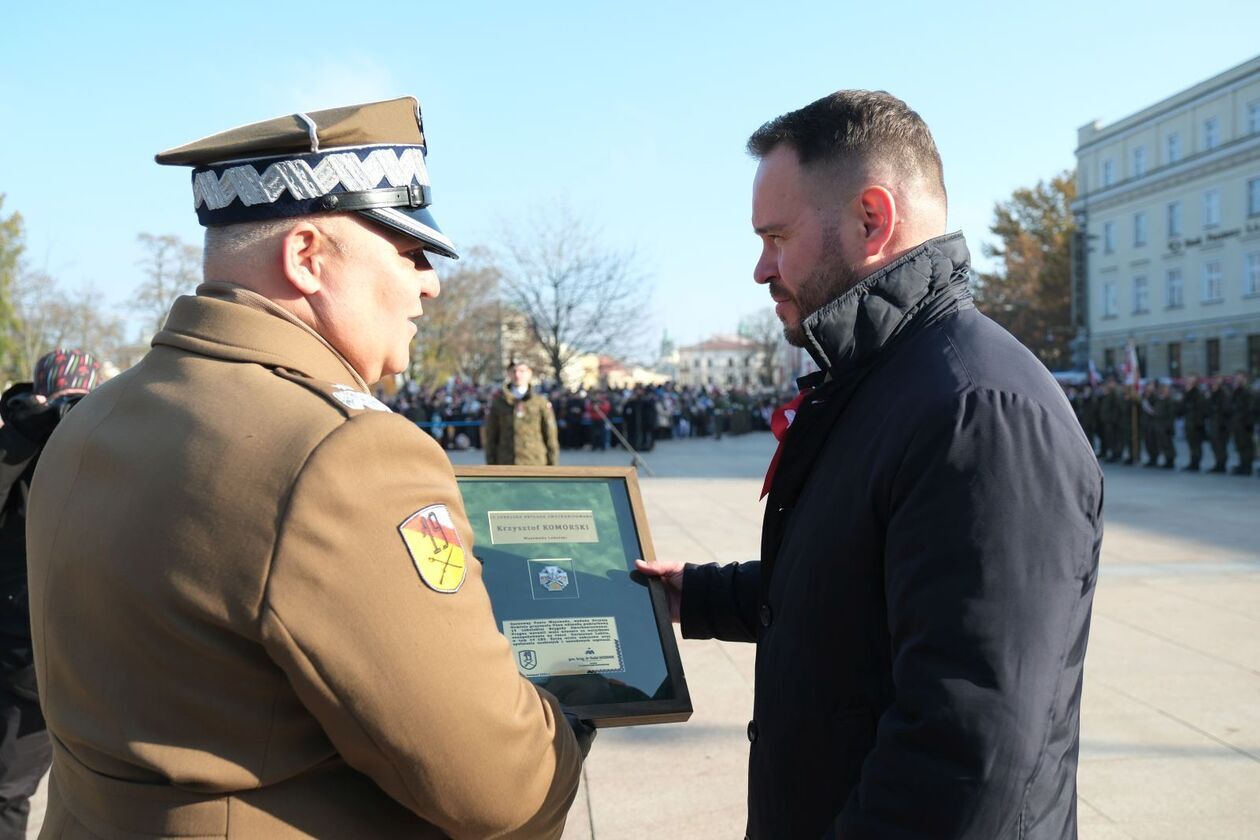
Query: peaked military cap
[{"x": 367, "y": 159}]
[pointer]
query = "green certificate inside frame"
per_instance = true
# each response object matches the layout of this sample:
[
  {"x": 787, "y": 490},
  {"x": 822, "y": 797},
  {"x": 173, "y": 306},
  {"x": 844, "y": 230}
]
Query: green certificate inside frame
[{"x": 557, "y": 548}]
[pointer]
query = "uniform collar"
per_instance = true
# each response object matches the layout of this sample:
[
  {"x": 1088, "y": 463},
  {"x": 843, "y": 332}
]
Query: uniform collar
[{"x": 230, "y": 322}]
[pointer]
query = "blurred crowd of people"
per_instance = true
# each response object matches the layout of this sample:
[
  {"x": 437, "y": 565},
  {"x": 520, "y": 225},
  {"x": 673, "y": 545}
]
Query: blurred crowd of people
[
  {"x": 1217, "y": 412},
  {"x": 644, "y": 414}
]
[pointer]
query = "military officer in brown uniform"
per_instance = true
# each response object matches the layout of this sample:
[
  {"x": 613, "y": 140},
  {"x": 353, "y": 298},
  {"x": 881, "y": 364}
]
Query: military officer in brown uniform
[
  {"x": 257, "y": 612},
  {"x": 521, "y": 424}
]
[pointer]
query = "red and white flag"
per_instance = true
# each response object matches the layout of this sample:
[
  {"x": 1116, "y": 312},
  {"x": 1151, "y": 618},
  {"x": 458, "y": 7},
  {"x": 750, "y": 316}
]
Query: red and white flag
[{"x": 1131, "y": 370}]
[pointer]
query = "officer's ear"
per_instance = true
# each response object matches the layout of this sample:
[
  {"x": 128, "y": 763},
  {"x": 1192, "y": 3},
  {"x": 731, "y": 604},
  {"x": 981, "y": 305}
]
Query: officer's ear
[{"x": 305, "y": 253}]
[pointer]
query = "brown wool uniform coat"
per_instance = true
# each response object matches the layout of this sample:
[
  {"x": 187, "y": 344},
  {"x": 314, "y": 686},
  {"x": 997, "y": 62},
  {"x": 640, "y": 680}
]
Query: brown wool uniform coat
[
  {"x": 521, "y": 431},
  {"x": 232, "y": 639}
]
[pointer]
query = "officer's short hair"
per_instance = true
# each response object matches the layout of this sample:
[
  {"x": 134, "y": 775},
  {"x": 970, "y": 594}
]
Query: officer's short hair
[
  {"x": 232, "y": 240},
  {"x": 856, "y": 128}
]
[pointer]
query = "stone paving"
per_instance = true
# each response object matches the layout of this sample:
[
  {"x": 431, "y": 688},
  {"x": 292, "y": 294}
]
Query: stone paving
[{"x": 1171, "y": 721}]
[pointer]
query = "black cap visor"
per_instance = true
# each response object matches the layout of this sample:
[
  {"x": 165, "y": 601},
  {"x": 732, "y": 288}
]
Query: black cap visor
[{"x": 417, "y": 223}]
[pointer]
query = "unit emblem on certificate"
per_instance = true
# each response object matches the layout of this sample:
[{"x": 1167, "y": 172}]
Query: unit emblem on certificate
[{"x": 553, "y": 578}]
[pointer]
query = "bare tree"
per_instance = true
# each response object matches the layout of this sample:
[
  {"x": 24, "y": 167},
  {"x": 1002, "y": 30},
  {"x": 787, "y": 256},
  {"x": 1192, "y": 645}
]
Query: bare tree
[
  {"x": 764, "y": 329},
  {"x": 49, "y": 318},
  {"x": 576, "y": 295},
  {"x": 12, "y": 246},
  {"x": 459, "y": 334},
  {"x": 172, "y": 267}
]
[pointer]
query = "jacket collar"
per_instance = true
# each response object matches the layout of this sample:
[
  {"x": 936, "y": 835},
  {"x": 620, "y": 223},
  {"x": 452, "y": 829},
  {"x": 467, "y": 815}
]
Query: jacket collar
[
  {"x": 225, "y": 321},
  {"x": 510, "y": 395},
  {"x": 914, "y": 290}
]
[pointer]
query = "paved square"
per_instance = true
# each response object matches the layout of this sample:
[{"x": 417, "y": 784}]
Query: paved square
[{"x": 1171, "y": 722}]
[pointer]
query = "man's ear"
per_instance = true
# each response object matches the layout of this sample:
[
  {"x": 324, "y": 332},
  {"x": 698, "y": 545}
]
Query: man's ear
[
  {"x": 878, "y": 216},
  {"x": 304, "y": 253}
]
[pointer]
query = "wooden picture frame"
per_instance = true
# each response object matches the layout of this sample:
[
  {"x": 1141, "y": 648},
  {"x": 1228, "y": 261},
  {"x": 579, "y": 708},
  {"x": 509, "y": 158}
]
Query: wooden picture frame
[{"x": 557, "y": 547}]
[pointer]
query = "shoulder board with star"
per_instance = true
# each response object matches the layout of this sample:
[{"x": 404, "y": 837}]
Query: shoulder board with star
[{"x": 347, "y": 399}]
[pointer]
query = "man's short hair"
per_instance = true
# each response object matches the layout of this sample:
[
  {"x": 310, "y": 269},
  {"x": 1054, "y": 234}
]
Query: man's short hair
[
  {"x": 228, "y": 241},
  {"x": 857, "y": 128}
]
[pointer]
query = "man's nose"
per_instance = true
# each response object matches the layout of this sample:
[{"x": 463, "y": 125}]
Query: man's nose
[
  {"x": 765, "y": 269},
  {"x": 430, "y": 286}
]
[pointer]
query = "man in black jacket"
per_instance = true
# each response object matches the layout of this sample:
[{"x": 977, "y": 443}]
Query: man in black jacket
[
  {"x": 29, "y": 412},
  {"x": 930, "y": 543}
]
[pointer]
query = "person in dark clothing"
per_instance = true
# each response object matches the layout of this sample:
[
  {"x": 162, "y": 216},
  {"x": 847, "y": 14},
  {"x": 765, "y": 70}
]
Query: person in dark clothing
[
  {"x": 647, "y": 420},
  {"x": 1165, "y": 425},
  {"x": 1148, "y": 408},
  {"x": 1242, "y": 423},
  {"x": 29, "y": 412},
  {"x": 1194, "y": 409},
  {"x": 1218, "y": 423},
  {"x": 930, "y": 542}
]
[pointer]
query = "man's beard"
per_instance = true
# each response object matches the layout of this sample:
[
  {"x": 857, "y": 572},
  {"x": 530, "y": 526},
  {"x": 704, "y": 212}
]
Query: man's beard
[{"x": 832, "y": 277}]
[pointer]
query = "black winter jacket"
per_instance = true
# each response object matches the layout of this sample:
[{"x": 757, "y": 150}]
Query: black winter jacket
[{"x": 928, "y": 561}]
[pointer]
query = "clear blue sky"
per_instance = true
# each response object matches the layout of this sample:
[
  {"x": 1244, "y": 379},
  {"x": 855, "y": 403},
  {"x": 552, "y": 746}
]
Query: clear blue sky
[{"x": 634, "y": 113}]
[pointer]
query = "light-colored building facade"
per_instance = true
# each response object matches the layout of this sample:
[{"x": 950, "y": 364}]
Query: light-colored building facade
[
  {"x": 1169, "y": 208},
  {"x": 724, "y": 361}
]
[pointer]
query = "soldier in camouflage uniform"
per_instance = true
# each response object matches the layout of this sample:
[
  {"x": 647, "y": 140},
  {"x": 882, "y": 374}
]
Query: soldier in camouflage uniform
[
  {"x": 1129, "y": 418},
  {"x": 1149, "y": 432},
  {"x": 1109, "y": 421},
  {"x": 1194, "y": 408},
  {"x": 1218, "y": 423},
  {"x": 521, "y": 426},
  {"x": 1165, "y": 425},
  {"x": 1242, "y": 422}
]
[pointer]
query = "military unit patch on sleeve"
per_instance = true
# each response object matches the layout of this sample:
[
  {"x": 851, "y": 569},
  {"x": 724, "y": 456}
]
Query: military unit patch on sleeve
[{"x": 435, "y": 549}]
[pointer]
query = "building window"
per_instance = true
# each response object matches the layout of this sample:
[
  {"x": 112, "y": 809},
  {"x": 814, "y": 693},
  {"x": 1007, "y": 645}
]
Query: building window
[
  {"x": 1174, "y": 219},
  {"x": 1139, "y": 229},
  {"x": 1174, "y": 293},
  {"x": 1251, "y": 276},
  {"x": 1109, "y": 299},
  {"x": 1212, "y": 281},
  {"x": 1211, "y": 134},
  {"x": 1141, "y": 296},
  {"x": 1108, "y": 173},
  {"x": 1211, "y": 208},
  {"x": 1253, "y": 117},
  {"x": 1109, "y": 237},
  {"x": 1253, "y": 356},
  {"x": 1109, "y": 359},
  {"x": 1139, "y": 162},
  {"x": 1253, "y": 197},
  {"x": 1174, "y": 359},
  {"x": 1213, "y": 348},
  {"x": 1173, "y": 149}
]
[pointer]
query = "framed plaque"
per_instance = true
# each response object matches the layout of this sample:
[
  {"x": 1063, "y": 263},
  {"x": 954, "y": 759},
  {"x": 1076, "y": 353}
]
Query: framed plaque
[{"x": 557, "y": 547}]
